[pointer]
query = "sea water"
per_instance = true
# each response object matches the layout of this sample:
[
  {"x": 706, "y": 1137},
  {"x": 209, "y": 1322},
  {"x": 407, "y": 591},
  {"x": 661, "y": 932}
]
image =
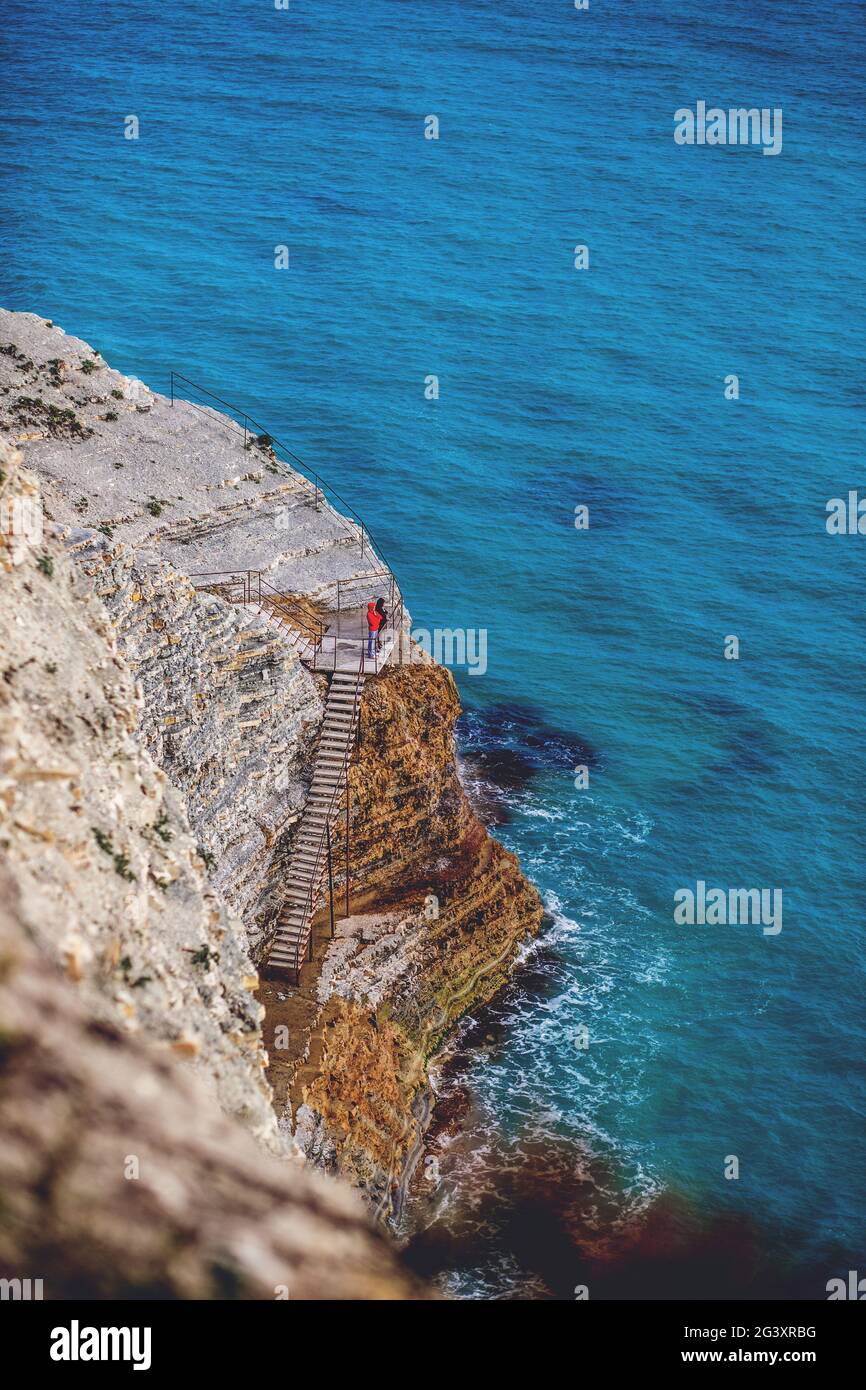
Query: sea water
[{"x": 632, "y": 1053}]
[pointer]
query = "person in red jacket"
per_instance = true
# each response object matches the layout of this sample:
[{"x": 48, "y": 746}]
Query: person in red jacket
[{"x": 374, "y": 622}]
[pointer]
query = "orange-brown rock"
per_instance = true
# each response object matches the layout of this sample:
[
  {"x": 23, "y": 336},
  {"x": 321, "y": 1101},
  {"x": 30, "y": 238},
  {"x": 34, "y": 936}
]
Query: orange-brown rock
[{"x": 439, "y": 910}]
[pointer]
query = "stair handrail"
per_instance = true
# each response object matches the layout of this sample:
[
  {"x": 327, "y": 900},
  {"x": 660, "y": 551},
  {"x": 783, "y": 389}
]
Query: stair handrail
[
  {"x": 252, "y": 584},
  {"x": 312, "y": 891},
  {"x": 314, "y": 630}
]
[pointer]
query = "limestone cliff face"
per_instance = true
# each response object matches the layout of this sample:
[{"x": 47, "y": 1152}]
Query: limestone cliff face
[
  {"x": 111, "y": 881},
  {"x": 451, "y": 910},
  {"x": 228, "y": 712},
  {"x": 148, "y": 491},
  {"x": 130, "y": 1045}
]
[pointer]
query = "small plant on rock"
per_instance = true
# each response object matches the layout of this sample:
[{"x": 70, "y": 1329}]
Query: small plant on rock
[
  {"x": 121, "y": 862},
  {"x": 122, "y": 867},
  {"x": 204, "y": 956}
]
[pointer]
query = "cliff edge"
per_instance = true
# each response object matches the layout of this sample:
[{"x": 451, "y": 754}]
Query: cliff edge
[{"x": 158, "y": 746}]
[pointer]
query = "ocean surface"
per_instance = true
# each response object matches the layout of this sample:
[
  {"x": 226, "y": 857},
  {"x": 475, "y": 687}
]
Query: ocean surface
[{"x": 558, "y": 388}]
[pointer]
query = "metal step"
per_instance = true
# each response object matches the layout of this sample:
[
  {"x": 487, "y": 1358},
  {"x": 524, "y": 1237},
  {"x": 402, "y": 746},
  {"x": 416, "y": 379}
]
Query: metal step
[{"x": 292, "y": 923}]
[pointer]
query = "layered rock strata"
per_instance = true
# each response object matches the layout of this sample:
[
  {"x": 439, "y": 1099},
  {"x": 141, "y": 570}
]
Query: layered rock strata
[
  {"x": 439, "y": 913},
  {"x": 161, "y": 745}
]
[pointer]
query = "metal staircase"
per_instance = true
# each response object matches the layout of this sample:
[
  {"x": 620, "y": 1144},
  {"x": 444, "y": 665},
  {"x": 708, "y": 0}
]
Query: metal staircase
[{"x": 311, "y": 859}]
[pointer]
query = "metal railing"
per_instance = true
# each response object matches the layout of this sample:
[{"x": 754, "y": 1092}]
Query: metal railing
[
  {"x": 372, "y": 579},
  {"x": 314, "y": 644},
  {"x": 345, "y": 592},
  {"x": 305, "y": 936},
  {"x": 248, "y": 587},
  {"x": 253, "y": 430},
  {"x": 371, "y": 663}
]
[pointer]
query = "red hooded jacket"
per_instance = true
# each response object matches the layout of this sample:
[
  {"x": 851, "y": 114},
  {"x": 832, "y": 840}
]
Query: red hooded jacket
[{"x": 374, "y": 618}]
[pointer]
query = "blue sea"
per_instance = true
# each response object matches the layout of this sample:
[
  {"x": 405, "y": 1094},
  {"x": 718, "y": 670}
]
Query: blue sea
[{"x": 558, "y": 388}]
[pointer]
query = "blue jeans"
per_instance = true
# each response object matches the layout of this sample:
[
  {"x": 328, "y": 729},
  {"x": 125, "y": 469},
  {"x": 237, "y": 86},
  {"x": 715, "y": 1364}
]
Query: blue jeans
[{"x": 371, "y": 638}]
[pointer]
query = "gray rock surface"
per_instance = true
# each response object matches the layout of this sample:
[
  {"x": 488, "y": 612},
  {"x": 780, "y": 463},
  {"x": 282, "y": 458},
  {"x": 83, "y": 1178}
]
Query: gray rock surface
[
  {"x": 176, "y": 477},
  {"x": 112, "y": 884},
  {"x": 228, "y": 712}
]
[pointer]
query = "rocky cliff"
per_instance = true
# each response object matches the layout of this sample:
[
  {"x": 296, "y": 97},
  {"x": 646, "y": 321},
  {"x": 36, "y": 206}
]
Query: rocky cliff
[
  {"x": 439, "y": 911},
  {"x": 228, "y": 712},
  {"x": 111, "y": 879},
  {"x": 157, "y": 747}
]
